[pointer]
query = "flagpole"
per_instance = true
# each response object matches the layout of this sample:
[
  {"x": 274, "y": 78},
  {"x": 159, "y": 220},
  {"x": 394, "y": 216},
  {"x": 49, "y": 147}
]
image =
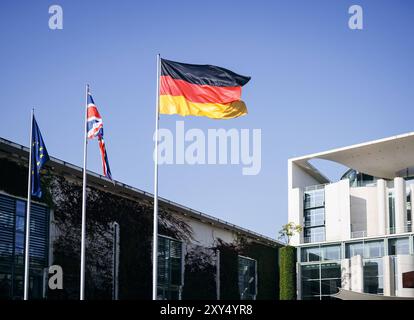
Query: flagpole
[
  {"x": 83, "y": 235},
  {"x": 155, "y": 233},
  {"x": 29, "y": 199}
]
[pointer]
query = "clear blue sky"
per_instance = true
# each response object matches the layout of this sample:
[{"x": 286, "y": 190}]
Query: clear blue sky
[{"x": 315, "y": 85}]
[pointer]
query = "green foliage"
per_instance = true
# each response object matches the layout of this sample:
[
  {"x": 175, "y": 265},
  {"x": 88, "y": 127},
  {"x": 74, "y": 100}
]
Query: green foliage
[
  {"x": 267, "y": 268},
  {"x": 200, "y": 275},
  {"x": 287, "y": 267},
  {"x": 229, "y": 285},
  {"x": 289, "y": 230}
]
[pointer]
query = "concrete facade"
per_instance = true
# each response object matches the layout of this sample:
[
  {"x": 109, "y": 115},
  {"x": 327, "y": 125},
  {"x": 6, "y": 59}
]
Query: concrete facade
[{"x": 366, "y": 217}]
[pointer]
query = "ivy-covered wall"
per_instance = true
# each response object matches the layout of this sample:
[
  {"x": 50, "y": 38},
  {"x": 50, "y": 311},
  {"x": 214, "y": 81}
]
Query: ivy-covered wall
[
  {"x": 200, "y": 273},
  {"x": 135, "y": 221},
  {"x": 267, "y": 268},
  {"x": 287, "y": 273}
]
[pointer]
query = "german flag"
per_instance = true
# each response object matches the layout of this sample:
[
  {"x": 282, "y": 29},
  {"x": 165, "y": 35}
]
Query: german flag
[{"x": 200, "y": 90}]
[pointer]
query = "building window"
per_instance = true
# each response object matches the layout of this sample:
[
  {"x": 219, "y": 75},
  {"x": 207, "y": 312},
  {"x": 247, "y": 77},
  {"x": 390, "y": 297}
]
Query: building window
[
  {"x": 409, "y": 205},
  {"x": 322, "y": 253},
  {"x": 320, "y": 281},
  {"x": 391, "y": 211},
  {"x": 314, "y": 197},
  {"x": 331, "y": 252},
  {"x": 398, "y": 246},
  {"x": 373, "y": 276},
  {"x": 314, "y": 217},
  {"x": 369, "y": 249},
  {"x": 316, "y": 234},
  {"x": 314, "y": 214},
  {"x": 169, "y": 268},
  {"x": 247, "y": 278},
  {"x": 12, "y": 247}
]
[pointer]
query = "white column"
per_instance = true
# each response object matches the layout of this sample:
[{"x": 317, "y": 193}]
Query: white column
[
  {"x": 382, "y": 206},
  {"x": 357, "y": 274},
  {"x": 346, "y": 274},
  {"x": 389, "y": 283},
  {"x": 296, "y": 212},
  {"x": 400, "y": 205}
]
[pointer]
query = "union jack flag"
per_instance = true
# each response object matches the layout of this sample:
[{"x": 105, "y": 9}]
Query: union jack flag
[{"x": 95, "y": 130}]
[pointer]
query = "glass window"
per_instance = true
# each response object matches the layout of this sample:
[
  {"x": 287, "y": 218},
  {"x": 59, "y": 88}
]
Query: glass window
[
  {"x": 322, "y": 253},
  {"x": 310, "y": 272},
  {"x": 20, "y": 208},
  {"x": 247, "y": 278},
  {"x": 311, "y": 290},
  {"x": 311, "y": 254},
  {"x": 169, "y": 268},
  {"x": 320, "y": 281},
  {"x": 398, "y": 246},
  {"x": 391, "y": 212},
  {"x": 330, "y": 271},
  {"x": 314, "y": 198},
  {"x": 12, "y": 227},
  {"x": 315, "y": 217},
  {"x": 330, "y": 286},
  {"x": 373, "y": 276},
  {"x": 316, "y": 234},
  {"x": 369, "y": 249},
  {"x": 331, "y": 252},
  {"x": 374, "y": 249}
]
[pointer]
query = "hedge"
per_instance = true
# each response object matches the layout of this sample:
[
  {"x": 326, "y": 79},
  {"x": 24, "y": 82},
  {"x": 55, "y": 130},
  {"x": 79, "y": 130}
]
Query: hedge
[{"x": 287, "y": 271}]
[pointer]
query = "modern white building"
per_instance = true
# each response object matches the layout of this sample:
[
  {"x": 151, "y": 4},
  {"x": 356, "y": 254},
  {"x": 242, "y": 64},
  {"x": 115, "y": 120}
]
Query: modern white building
[{"x": 357, "y": 232}]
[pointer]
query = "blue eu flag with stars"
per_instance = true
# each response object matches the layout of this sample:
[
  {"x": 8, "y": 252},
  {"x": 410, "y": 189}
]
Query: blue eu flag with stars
[{"x": 39, "y": 158}]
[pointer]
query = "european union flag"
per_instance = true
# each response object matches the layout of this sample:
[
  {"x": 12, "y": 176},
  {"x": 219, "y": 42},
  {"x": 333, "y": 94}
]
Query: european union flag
[{"x": 39, "y": 158}]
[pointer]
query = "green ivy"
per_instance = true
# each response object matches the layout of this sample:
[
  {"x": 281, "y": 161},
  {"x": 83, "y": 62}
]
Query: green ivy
[
  {"x": 267, "y": 268},
  {"x": 287, "y": 267}
]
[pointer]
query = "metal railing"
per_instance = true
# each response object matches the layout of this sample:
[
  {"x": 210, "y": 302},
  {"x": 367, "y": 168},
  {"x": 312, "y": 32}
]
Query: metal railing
[{"x": 393, "y": 230}]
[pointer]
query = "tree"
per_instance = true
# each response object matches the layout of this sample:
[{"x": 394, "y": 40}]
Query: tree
[{"x": 288, "y": 231}]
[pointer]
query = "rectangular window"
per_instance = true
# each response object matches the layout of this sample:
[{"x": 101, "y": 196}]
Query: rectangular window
[
  {"x": 322, "y": 253},
  {"x": 247, "y": 278},
  {"x": 169, "y": 268},
  {"x": 12, "y": 243},
  {"x": 398, "y": 246},
  {"x": 320, "y": 281},
  {"x": 373, "y": 276},
  {"x": 314, "y": 217},
  {"x": 391, "y": 212},
  {"x": 331, "y": 252},
  {"x": 368, "y": 249},
  {"x": 314, "y": 198},
  {"x": 316, "y": 234},
  {"x": 311, "y": 254}
]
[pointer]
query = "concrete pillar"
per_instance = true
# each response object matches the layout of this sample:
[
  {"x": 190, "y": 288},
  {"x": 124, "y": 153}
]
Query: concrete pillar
[
  {"x": 357, "y": 274},
  {"x": 346, "y": 274},
  {"x": 389, "y": 282},
  {"x": 298, "y": 281},
  {"x": 405, "y": 263},
  {"x": 400, "y": 205},
  {"x": 382, "y": 206},
  {"x": 296, "y": 213}
]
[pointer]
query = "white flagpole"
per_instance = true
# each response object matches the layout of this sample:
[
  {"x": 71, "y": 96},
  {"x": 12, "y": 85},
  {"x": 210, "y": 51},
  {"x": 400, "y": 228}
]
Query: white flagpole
[
  {"x": 85, "y": 149},
  {"x": 29, "y": 199},
  {"x": 155, "y": 240}
]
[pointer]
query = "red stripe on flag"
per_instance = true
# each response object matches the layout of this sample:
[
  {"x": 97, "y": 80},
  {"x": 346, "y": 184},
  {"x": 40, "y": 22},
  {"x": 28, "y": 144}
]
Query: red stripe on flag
[
  {"x": 198, "y": 93},
  {"x": 93, "y": 112}
]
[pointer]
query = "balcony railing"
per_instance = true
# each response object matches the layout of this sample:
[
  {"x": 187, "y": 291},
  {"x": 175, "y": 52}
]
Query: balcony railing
[
  {"x": 312, "y": 239},
  {"x": 394, "y": 230}
]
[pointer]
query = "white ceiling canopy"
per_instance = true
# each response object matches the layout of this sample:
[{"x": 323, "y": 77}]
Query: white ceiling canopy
[{"x": 383, "y": 158}]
